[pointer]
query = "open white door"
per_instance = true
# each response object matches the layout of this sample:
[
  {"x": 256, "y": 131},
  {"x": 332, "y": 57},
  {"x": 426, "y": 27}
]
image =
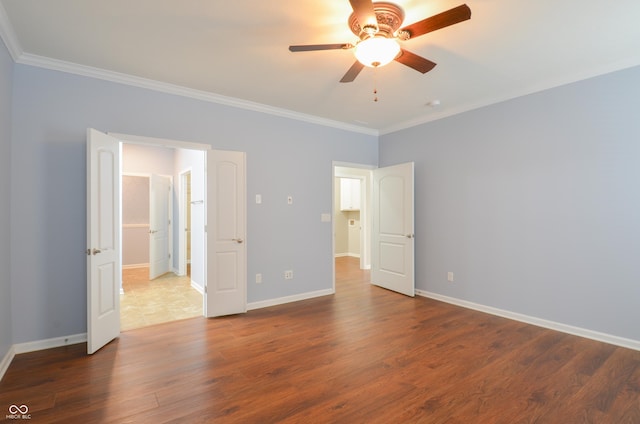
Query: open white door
[
  {"x": 392, "y": 250},
  {"x": 226, "y": 252},
  {"x": 159, "y": 225},
  {"x": 103, "y": 239}
]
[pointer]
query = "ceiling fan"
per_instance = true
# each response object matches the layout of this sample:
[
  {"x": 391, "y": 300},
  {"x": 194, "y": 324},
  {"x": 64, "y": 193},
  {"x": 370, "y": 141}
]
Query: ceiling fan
[{"x": 377, "y": 25}]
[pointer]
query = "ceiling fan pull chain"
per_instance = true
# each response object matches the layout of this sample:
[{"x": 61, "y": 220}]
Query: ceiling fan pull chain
[{"x": 375, "y": 84}]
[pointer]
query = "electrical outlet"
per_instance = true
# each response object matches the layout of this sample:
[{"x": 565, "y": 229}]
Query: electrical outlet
[
  {"x": 258, "y": 278},
  {"x": 450, "y": 277},
  {"x": 288, "y": 275}
]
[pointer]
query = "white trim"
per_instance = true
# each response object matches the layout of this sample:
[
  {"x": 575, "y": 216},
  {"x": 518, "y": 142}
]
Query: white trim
[
  {"x": 49, "y": 343},
  {"x": 103, "y": 74},
  {"x": 288, "y": 299},
  {"x": 347, "y": 254},
  {"x": 135, "y": 226},
  {"x": 38, "y": 345},
  {"x": 183, "y": 262},
  {"x": 564, "y": 328},
  {"x": 6, "y": 361},
  {"x": 520, "y": 92},
  {"x": 8, "y": 35},
  {"x": 158, "y": 142},
  {"x": 134, "y": 266},
  {"x": 365, "y": 210},
  {"x": 197, "y": 287}
]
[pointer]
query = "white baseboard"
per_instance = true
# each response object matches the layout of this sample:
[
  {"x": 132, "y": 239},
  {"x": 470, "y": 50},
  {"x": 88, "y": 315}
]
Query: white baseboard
[
  {"x": 289, "y": 299},
  {"x": 38, "y": 345},
  {"x": 49, "y": 343},
  {"x": 6, "y": 361},
  {"x": 134, "y": 266},
  {"x": 197, "y": 287},
  {"x": 350, "y": 255},
  {"x": 564, "y": 328}
]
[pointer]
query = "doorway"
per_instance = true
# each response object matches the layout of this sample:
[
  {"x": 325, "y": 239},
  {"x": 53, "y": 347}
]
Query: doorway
[
  {"x": 156, "y": 285},
  {"x": 224, "y": 254},
  {"x": 351, "y": 228}
]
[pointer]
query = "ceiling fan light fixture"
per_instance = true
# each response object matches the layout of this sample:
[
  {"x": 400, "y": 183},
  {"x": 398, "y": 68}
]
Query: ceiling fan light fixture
[{"x": 377, "y": 51}]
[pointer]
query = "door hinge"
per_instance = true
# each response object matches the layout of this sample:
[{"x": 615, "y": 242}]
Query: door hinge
[
  {"x": 169, "y": 221},
  {"x": 169, "y": 255},
  {"x": 205, "y": 289}
]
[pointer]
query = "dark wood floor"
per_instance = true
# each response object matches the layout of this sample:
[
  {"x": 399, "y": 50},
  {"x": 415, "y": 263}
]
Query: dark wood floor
[{"x": 364, "y": 355}]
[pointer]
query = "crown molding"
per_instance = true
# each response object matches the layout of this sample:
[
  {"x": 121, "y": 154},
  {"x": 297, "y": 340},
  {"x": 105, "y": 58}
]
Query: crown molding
[
  {"x": 524, "y": 91},
  {"x": 8, "y": 35},
  {"x": 102, "y": 74}
]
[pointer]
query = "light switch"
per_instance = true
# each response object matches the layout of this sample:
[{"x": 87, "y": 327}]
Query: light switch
[
  {"x": 258, "y": 199},
  {"x": 289, "y": 200}
]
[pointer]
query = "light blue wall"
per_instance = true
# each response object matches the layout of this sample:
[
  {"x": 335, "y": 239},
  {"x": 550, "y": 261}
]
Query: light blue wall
[
  {"x": 534, "y": 203},
  {"x": 52, "y": 111},
  {"x": 6, "y": 76},
  {"x": 530, "y": 203}
]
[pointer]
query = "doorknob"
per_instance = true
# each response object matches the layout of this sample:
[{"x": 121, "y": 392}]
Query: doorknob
[
  {"x": 238, "y": 240},
  {"x": 153, "y": 231},
  {"x": 409, "y": 236},
  {"x": 95, "y": 251}
]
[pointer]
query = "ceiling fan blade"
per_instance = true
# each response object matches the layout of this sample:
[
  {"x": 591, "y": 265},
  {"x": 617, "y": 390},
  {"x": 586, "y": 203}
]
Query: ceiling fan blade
[
  {"x": 441, "y": 20},
  {"x": 312, "y": 47},
  {"x": 353, "y": 72},
  {"x": 414, "y": 61},
  {"x": 364, "y": 12}
]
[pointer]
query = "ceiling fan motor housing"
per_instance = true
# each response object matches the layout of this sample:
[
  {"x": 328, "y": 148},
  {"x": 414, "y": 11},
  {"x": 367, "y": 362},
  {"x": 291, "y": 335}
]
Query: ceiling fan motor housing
[{"x": 389, "y": 16}]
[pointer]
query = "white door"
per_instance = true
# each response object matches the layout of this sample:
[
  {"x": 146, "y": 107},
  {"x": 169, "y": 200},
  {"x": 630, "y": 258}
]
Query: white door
[
  {"x": 392, "y": 262},
  {"x": 103, "y": 239},
  {"x": 226, "y": 252},
  {"x": 159, "y": 225}
]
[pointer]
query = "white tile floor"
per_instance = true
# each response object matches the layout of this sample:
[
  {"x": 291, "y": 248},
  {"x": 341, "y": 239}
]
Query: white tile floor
[{"x": 166, "y": 298}]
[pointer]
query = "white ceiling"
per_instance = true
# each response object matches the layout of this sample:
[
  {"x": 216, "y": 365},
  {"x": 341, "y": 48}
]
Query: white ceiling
[{"x": 236, "y": 52}]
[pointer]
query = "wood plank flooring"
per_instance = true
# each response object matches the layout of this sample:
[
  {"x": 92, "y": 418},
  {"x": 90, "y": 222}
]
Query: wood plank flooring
[{"x": 364, "y": 355}]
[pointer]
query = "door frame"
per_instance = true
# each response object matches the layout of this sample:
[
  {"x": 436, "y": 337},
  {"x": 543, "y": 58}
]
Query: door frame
[
  {"x": 182, "y": 222},
  {"x": 168, "y": 143},
  {"x": 365, "y": 212}
]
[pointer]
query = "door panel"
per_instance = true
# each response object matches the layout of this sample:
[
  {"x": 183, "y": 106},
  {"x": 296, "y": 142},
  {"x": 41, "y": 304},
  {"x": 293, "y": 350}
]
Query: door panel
[
  {"x": 392, "y": 262},
  {"x": 226, "y": 231},
  {"x": 103, "y": 239},
  {"x": 159, "y": 227}
]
